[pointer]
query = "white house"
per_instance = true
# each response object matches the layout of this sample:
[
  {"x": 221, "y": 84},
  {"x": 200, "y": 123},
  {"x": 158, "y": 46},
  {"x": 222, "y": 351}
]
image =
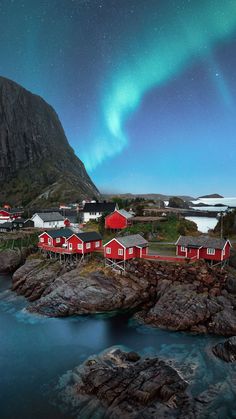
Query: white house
[
  {"x": 94, "y": 210},
  {"x": 49, "y": 220}
]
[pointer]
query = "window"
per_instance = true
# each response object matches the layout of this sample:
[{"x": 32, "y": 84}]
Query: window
[
  {"x": 97, "y": 244},
  {"x": 182, "y": 248},
  {"x": 108, "y": 250},
  {"x": 49, "y": 242},
  {"x": 210, "y": 251},
  {"x": 131, "y": 251},
  {"x": 41, "y": 239},
  {"x": 70, "y": 246},
  {"x": 58, "y": 240},
  {"x": 88, "y": 245},
  {"x": 120, "y": 252},
  {"x": 79, "y": 246}
]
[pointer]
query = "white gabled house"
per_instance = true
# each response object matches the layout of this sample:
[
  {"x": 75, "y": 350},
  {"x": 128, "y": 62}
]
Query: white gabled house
[
  {"x": 94, "y": 210},
  {"x": 49, "y": 220}
]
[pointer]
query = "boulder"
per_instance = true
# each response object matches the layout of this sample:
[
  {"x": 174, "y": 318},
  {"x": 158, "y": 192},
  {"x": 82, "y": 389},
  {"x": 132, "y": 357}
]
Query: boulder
[{"x": 226, "y": 350}]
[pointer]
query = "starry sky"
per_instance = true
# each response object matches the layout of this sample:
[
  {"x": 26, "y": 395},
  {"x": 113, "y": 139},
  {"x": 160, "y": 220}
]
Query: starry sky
[{"x": 145, "y": 89}]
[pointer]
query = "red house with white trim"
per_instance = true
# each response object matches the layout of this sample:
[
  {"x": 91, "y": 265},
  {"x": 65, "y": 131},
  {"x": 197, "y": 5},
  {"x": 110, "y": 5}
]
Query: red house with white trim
[
  {"x": 7, "y": 214},
  {"x": 83, "y": 243},
  {"x": 118, "y": 220},
  {"x": 55, "y": 238},
  {"x": 203, "y": 247},
  {"x": 127, "y": 247}
]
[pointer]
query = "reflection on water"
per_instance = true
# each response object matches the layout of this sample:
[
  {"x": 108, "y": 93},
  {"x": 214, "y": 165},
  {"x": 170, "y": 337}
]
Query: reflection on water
[{"x": 35, "y": 351}]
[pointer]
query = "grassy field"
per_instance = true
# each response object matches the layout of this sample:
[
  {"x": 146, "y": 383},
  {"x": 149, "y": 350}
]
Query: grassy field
[{"x": 17, "y": 240}]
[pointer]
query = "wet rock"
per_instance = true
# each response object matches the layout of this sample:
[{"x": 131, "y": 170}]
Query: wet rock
[
  {"x": 117, "y": 385},
  {"x": 226, "y": 350}
]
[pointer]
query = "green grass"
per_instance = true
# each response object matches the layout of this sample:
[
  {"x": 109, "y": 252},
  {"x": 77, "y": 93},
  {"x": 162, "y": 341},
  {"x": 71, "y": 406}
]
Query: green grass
[{"x": 9, "y": 242}]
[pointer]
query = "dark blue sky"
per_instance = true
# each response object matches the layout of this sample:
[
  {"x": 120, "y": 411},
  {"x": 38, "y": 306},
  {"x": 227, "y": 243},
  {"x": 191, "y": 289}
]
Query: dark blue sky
[{"x": 145, "y": 90}]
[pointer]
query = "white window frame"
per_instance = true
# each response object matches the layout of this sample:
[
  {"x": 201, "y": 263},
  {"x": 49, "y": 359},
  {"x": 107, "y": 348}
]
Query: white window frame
[
  {"x": 97, "y": 244},
  {"x": 41, "y": 239},
  {"x": 120, "y": 252},
  {"x": 79, "y": 246},
  {"x": 70, "y": 246},
  {"x": 58, "y": 240},
  {"x": 88, "y": 245},
  {"x": 108, "y": 250},
  {"x": 131, "y": 250},
  {"x": 50, "y": 242},
  {"x": 211, "y": 251},
  {"x": 182, "y": 248}
]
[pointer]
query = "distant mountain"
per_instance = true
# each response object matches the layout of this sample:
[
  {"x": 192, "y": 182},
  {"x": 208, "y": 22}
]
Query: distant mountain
[
  {"x": 214, "y": 195},
  {"x": 153, "y": 196},
  {"x": 37, "y": 164}
]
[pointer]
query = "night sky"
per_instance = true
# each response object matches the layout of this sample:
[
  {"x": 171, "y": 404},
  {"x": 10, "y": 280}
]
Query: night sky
[{"x": 145, "y": 89}]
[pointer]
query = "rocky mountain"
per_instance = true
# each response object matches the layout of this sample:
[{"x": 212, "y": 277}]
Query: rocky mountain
[{"x": 37, "y": 164}]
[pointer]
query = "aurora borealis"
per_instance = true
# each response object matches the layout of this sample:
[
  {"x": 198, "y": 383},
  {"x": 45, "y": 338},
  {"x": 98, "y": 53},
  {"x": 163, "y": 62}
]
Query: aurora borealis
[{"x": 145, "y": 90}]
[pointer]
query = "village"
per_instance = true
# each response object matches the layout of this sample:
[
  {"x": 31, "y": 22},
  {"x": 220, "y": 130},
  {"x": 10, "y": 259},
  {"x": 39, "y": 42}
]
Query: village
[{"x": 118, "y": 235}]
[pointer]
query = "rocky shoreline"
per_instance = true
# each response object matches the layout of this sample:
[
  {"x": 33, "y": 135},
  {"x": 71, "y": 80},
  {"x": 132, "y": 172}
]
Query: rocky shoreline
[{"x": 194, "y": 298}]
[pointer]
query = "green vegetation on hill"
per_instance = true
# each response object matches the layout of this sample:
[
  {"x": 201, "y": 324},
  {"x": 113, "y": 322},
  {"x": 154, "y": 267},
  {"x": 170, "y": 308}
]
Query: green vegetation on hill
[{"x": 228, "y": 224}]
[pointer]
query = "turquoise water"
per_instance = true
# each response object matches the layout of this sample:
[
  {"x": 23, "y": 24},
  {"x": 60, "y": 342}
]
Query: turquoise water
[{"x": 35, "y": 351}]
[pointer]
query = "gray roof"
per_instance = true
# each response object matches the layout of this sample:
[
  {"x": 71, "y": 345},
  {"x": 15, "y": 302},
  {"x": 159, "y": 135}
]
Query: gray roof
[
  {"x": 126, "y": 214},
  {"x": 89, "y": 236},
  {"x": 99, "y": 207},
  {"x": 50, "y": 216},
  {"x": 6, "y": 225},
  {"x": 201, "y": 241},
  {"x": 133, "y": 240},
  {"x": 62, "y": 232}
]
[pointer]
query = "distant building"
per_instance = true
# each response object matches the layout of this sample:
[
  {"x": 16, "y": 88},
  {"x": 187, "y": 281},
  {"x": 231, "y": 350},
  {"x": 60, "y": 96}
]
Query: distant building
[
  {"x": 118, "y": 220},
  {"x": 49, "y": 220},
  {"x": 203, "y": 247},
  {"x": 18, "y": 223},
  {"x": 5, "y": 227},
  {"x": 8, "y": 214},
  {"x": 94, "y": 210}
]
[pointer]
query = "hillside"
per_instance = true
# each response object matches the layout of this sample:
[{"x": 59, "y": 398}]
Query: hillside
[
  {"x": 37, "y": 164},
  {"x": 214, "y": 195}
]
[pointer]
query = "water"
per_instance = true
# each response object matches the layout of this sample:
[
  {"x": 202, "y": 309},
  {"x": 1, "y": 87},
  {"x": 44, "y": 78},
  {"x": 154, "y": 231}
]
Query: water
[
  {"x": 204, "y": 223},
  {"x": 35, "y": 351}
]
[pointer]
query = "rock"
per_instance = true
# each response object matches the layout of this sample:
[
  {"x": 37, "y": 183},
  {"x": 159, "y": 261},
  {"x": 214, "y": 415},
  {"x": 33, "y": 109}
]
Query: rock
[
  {"x": 114, "y": 386},
  {"x": 231, "y": 284},
  {"x": 10, "y": 260},
  {"x": 226, "y": 350}
]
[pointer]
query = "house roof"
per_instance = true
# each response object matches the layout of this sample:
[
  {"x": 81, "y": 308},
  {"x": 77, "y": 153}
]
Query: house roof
[
  {"x": 19, "y": 220},
  {"x": 201, "y": 241},
  {"x": 6, "y": 225},
  {"x": 99, "y": 207},
  {"x": 133, "y": 240},
  {"x": 50, "y": 216},
  {"x": 89, "y": 236},
  {"x": 62, "y": 232},
  {"x": 125, "y": 213}
]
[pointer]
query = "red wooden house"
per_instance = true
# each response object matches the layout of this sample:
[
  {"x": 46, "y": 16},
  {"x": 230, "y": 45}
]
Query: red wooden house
[
  {"x": 127, "y": 247},
  {"x": 118, "y": 220},
  {"x": 203, "y": 247},
  {"x": 54, "y": 238},
  {"x": 7, "y": 214},
  {"x": 83, "y": 243}
]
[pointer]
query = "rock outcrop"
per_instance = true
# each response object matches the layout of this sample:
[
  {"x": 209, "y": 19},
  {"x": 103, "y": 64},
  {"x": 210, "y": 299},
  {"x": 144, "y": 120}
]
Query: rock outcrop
[
  {"x": 36, "y": 160},
  {"x": 11, "y": 259},
  {"x": 118, "y": 384},
  {"x": 226, "y": 350},
  {"x": 175, "y": 297}
]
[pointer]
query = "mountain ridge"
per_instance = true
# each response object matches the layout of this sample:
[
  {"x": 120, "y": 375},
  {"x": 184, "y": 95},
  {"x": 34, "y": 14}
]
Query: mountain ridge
[{"x": 37, "y": 163}]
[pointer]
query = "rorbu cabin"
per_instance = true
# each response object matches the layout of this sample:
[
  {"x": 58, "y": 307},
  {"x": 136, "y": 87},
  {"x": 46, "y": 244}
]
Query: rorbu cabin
[
  {"x": 54, "y": 238},
  {"x": 203, "y": 247},
  {"x": 83, "y": 243},
  {"x": 118, "y": 220},
  {"x": 127, "y": 247}
]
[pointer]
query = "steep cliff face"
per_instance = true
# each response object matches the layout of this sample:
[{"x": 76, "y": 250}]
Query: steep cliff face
[{"x": 36, "y": 160}]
